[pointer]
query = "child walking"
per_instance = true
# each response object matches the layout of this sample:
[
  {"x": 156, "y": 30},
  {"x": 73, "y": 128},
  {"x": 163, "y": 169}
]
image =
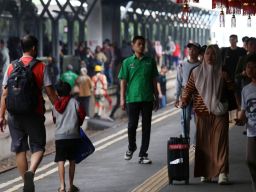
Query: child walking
[
  {"x": 68, "y": 117},
  {"x": 247, "y": 116}
]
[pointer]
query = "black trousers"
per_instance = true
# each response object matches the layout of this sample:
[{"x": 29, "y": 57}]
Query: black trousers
[{"x": 134, "y": 110}]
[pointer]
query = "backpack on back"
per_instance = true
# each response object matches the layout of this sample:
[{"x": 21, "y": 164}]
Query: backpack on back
[{"x": 22, "y": 97}]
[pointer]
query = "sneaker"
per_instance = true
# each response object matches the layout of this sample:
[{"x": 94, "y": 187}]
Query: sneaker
[
  {"x": 223, "y": 179},
  {"x": 205, "y": 180},
  {"x": 128, "y": 155},
  {"x": 145, "y": 160},
  {"x": 29, "y": 182},
  {"x": 73, "y": 188}
]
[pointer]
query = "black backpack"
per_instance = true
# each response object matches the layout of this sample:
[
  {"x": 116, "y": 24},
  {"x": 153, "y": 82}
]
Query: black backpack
[{"x": 22, "y": 97}]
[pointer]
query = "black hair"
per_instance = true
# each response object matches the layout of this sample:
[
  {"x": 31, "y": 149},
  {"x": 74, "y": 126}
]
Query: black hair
[
  {"x": 251, "y": 58},
  {"x": 253, "y": 39},
  {"x": 233, "y": 35},
  {"x": 245, "y": 38},
  {"x": 28, "y": 42},
  {"x": 203, "y": 48},
  {"x": 63, "y": 88},
  {"x": 138, "y": 37}
]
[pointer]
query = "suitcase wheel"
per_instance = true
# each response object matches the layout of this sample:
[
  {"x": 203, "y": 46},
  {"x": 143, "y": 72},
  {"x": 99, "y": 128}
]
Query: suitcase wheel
[{"x": 187, "y": 182}]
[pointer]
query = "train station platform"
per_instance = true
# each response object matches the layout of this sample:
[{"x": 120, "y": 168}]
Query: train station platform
[{"x": 107, "y": 171}]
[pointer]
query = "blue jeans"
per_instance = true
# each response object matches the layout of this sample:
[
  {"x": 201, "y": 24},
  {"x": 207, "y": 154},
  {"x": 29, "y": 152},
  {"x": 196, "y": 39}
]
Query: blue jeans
[
  {"x": 186, "y": 120},
  {"x": 109, "y": 75},
  {"x": 162, "y": 102}
]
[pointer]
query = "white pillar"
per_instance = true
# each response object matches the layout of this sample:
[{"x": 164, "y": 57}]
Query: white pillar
[{"x": 94, "y": 25}]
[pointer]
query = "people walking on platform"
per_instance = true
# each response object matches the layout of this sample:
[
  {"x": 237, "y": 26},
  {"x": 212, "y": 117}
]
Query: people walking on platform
[
  {"x": 108, "y": 67},
  {"x": 52, "y": 69},
  {"x": 100, "y": 86},
  {"x": 14, "y": 46},
  {"x": 84, "y": 84},
  {"x": 207, "y": 86},
  {"x": 69, "y": 76},
  {"x": 117, "y": 104},
  {"x": 138, "y": 75},
  {"x": 244, "y": 40},
  {"x": 170, "y": 48},
  {"x": 150, "y": 50},
  {"x": 126, "y": 50},
  {"x": 183, "y": 72},
  {"x": 68, "y": 116},
  {"x": 100, "y": 56},
  {"x": 27, "y": 129},
  {"x": 230, "y": 58},
  {"x": 117, "y": 63},
  {"x": 161, "y": 86},
  {"x": 176, "y": 55},
  {"x": 248, "y": 116},
  {"x": 240, "y": 74},
  {"x": 90, "y": 62}
]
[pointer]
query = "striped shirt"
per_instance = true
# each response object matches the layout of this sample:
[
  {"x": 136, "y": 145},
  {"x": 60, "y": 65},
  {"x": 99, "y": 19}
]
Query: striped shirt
[{"x": 190, "y": 92}]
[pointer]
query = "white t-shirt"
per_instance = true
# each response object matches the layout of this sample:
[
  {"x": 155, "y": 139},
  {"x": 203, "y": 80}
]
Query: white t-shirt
[{"x": 249, "y": 105}]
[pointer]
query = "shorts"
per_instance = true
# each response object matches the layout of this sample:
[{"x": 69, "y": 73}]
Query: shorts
[
  {"x": 66, "y": 149},
  {"x": 27, "y": 127}
]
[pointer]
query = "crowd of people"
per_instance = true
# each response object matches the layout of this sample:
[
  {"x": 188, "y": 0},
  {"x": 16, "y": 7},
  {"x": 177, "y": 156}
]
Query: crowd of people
[
  {"x": 219, "y": 84},
  {"x": 210, "y": 83}
]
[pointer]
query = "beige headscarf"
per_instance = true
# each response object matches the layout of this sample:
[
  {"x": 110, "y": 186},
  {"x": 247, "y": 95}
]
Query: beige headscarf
[{"x": 208, "y": 82}]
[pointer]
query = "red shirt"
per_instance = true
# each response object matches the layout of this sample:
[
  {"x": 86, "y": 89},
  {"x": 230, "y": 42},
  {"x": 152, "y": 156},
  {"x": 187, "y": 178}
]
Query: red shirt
[{"x": 38, "y": 71}]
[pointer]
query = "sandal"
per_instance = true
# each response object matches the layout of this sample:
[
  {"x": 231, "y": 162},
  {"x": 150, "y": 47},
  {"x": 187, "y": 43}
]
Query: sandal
[
  {"x": 73, "y": 188},
  {"x": 61, "y": 190}
]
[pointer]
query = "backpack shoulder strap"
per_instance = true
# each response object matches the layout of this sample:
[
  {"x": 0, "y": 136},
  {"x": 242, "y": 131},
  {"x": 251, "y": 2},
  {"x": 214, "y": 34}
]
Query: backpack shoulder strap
[
  {"x": 33, "y": 63},
  {"x": 15, "y": 63}
]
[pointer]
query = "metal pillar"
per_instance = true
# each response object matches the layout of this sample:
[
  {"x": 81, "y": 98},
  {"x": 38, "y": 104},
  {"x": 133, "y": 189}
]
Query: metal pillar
[
  {"x": 81, "y": 31},
  {"x": 55, "y": 41},
  {"x": 40, "y": 36},
  {"x": 135, "y": 27},
  {"x": 70, "y": 36},
  {"x": 158, "y": 33},
  {"x": 126, "y": 29},
  {"x": 143, "y": 29},
  {"x": 204, "y": 36}
]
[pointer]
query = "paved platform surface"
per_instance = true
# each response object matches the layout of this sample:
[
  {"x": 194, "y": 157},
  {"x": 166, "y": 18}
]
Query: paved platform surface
[{"x": 107, "y": 171}]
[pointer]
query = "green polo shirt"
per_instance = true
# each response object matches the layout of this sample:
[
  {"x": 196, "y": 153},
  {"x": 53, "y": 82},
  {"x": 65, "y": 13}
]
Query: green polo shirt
[{"x": 139, "y": 75}]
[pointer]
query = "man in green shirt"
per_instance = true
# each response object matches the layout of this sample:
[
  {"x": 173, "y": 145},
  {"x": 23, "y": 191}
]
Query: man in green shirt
[
  {"x": 138, "y": 76},
  {"x": 69, "y": 76}
]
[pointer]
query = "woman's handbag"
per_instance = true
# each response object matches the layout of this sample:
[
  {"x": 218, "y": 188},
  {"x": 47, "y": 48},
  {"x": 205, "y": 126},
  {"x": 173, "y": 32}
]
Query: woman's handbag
[{"x": 85, "y": 149}]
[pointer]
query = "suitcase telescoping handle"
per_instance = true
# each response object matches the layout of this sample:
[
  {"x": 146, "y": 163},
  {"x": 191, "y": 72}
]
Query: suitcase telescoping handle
[{"x": 184, "y": 120}]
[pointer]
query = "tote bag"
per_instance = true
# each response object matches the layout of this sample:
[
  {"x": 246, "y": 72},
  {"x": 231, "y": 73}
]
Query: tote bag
[{"x": 85, "y": 149}]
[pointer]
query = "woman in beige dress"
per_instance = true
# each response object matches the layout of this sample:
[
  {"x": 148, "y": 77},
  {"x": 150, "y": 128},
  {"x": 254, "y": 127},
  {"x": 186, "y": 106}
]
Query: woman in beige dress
[{"x": 207, "y": 86}]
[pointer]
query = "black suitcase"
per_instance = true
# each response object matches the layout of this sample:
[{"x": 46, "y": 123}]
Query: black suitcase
[{"x": 178, "y": 157}]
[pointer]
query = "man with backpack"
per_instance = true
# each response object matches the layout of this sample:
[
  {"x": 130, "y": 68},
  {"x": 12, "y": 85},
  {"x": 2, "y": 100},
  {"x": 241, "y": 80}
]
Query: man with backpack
[{"x": 22, "y": 98}]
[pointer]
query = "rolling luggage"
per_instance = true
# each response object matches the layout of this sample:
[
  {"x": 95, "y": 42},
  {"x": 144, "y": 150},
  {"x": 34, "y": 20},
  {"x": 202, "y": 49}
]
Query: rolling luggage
[{"x": 178, "y": 159}]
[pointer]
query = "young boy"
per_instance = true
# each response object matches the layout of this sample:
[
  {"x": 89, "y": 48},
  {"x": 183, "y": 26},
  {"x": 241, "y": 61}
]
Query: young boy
[
  {"x": 247, "y": 116},
  {"x": 183, "y": 72},
  {"x": 68, "y": 117},
  {"x": 161, "y": 86}
]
